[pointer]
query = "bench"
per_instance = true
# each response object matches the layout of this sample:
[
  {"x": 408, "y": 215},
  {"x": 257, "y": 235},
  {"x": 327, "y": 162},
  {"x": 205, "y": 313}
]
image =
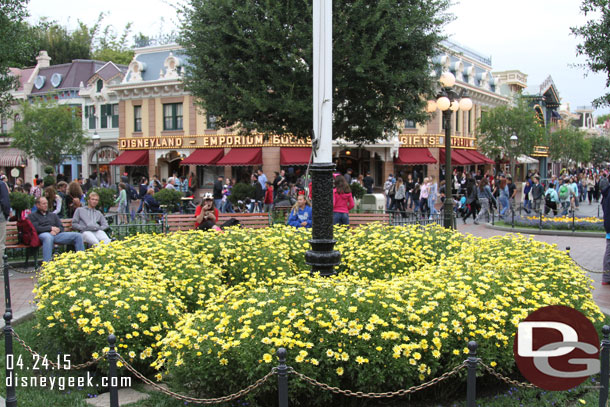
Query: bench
[
  {"x": 357, "y": 219},
  {"x": 177, "y": 222},
  {"x": 12, "y": 240}
]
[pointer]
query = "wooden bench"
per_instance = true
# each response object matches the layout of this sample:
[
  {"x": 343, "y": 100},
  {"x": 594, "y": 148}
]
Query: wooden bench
[
  {"x": 357, "y": 219},
  {"x": 12, "y": 240},
  {"x": 177, "y": 222}
]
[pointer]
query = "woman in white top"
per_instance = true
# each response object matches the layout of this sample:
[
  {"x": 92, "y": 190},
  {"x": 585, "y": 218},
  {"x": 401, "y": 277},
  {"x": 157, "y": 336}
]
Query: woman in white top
[{"x": 400, "y": 196}]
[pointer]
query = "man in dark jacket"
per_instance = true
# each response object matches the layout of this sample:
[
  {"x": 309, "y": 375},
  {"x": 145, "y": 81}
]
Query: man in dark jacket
[
  {"x": 368, "y": 183},
  {"x": 606, "y": 209},
  {"x": 5, "y": 211},
  {"x": 50, "y": 230},
  {"x": 217, "y": 191},
  {"x": 537, "y": 194}
]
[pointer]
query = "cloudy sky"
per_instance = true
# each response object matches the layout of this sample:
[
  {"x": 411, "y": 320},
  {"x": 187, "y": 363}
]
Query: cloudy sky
[{"x": 532, "y": 36}]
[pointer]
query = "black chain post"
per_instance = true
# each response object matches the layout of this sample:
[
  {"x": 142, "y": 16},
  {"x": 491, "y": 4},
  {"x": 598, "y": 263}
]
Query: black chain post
[
  {"x": 11, "y": 397},
  {"x": 282, "y": 378},
  {"x": 113, "y": 356},
  {"x": 513, "y": 217},
  {"x": 540, "y": 222},
  {"x": 573, "y": 217},
  {"x": 568, "y": 251},
  {"x": 605, "y": 368},
  {"x": 471, "y": 384},
  {"x": 7, "y": 286}
]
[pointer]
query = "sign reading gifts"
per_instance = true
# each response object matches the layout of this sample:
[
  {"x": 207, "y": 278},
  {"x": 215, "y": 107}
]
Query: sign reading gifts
[
  {"x": 211, "y": 141},
  {"x": 435, "y": 141}
]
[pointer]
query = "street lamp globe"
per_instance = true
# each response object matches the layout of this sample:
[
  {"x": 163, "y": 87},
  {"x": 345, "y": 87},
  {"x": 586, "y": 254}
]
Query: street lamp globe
[
  {"x": 443, "y": 103},
  {"x": 465, "y": 104},
  {"x": 513, "y": 140},
  {"x": 447, "y": 79},
  {"x": 455, "y": 105}
]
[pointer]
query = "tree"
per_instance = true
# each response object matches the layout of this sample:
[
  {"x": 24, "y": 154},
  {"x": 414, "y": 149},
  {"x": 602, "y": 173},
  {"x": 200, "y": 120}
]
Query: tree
[
  {"x": 49, "y": 131},
  {"x": 498, "y": 125},
  {"x": 12, "y": 46},
  {"x": 602, "y": 119},
  {"x": 600, "y": 150},
  {"x": 62, "y": 45},
  {"x": 250, "y": 63},
  {"x": 569, "y": 145},
  {"x": 596, "y": 41}
]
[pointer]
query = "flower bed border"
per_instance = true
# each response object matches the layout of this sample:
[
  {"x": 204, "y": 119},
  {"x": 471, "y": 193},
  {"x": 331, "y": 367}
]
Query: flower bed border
[{"x": 549, "y": 232}]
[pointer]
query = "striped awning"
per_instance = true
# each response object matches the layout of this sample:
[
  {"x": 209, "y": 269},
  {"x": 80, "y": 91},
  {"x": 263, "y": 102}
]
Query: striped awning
[{"x": 11, "y": 157}]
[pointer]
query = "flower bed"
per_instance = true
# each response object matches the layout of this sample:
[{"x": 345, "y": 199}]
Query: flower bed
[
  {"x": 211, "y": 309},
  {"x": 581, "y": 223}
]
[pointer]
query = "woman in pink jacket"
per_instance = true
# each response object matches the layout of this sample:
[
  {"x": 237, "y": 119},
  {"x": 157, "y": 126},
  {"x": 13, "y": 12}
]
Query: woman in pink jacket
[{"x": 343, "y": 201}]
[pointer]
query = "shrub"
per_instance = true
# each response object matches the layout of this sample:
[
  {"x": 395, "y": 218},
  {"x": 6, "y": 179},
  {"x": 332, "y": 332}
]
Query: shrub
[
  {"x": 240, "y": 192},
  {"x": 169, "y": 197},
  {"x": 208, "y": 310},
  {"x": 358, "y": 190},
  {"x": 49, "y": 180},
  {"x": 20, "y": 201},
  {"x": 106, "y": 198},
  {"x": 49, "y": 170}
]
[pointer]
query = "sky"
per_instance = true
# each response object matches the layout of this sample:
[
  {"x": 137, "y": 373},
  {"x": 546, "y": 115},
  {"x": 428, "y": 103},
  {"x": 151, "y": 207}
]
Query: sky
[{"x": 532, "y": 36}]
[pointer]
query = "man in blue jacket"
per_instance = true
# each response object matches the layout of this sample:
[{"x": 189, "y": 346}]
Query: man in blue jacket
[{"x": 606, "y": 209}]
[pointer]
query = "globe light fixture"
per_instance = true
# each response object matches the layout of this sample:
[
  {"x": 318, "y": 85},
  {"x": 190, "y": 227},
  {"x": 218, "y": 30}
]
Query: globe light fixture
[{"x": 448, "y": 101}]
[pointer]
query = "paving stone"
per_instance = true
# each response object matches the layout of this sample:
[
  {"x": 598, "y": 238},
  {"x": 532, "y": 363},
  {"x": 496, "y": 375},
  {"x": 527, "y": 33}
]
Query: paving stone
[{"x": 126, "y": 396}]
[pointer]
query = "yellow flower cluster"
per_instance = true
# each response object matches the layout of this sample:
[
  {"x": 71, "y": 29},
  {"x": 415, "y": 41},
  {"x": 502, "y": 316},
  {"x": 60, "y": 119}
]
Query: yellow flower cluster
[
  {"x": 567, "y": 219},
  {"x": 214, "y": 308}
]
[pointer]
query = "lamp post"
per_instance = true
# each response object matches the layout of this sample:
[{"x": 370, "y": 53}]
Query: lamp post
[
  {"x": 513, "y": 143},
  {"x": 448, "y": 101},
  {"x": 96, "y": 143}
]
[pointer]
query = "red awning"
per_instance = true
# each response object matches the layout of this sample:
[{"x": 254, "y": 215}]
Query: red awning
[
  {"x": 295, "y": 155},
  {"x": 410, "y": 156},
  {"x": 482, "y": 158},
  {"x": 456, "y": 157},
  {"x": 242, "y": 156},
  {"x": 204, "y": 156},
  {"x": 132, "y": 157}
]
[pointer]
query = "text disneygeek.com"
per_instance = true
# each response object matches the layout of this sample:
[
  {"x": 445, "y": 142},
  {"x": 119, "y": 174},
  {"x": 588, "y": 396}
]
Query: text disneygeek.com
[{"x": 61, "y": 383}]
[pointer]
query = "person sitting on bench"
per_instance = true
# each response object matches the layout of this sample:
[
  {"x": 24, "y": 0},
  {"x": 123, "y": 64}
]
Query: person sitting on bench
[
  {"x": 91, "y": 222},
  {"x": 50, "y": 230}
]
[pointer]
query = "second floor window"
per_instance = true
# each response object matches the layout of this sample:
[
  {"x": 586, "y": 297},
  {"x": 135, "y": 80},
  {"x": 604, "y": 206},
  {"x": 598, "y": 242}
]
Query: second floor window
[
  {"x": 90, "y": 116},
  {"x": 137, "y": 118},
  {"x": 210, "y": 121},
  {"x": 409, "y": 124},
  {"x": 4, "y": 125},
  {"x": 110, "y": 116},
  {"x": 172, "y": 116}
]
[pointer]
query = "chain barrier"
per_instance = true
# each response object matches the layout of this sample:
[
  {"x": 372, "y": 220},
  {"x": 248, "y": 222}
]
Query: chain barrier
[
  {"x": 505, "y": 379},
  {"x": 583, "y": 267},
  {"x": 55, "y": 365},
  {"x": 388, "y": 394},
  {"x": 193, "y": 400}
]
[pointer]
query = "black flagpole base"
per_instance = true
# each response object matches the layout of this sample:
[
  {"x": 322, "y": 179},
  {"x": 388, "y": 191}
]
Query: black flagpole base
[{"x": 322, "y": 258}]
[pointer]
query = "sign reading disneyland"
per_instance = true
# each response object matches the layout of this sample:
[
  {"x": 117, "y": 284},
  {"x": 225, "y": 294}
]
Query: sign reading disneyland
[{"x": 211, "y": 141}]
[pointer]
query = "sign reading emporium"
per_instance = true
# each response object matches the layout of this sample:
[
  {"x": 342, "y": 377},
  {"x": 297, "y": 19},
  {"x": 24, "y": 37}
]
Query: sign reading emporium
[
  {"x": 211, "y": 141},
  {"x": 435, "y": 141}
]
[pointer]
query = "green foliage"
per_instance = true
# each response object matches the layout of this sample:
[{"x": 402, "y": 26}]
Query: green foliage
[
  {"x": 49, "y": 170},
  {"x": 602, "y": 119},
  {"x": 110, "y": 46},
  {"x": 252, "y": 63},
  {"x": 49, "y": 131},
  {"x": 106, "y": 198},
  {"x": 358, "y": 190},
  {"x": 497, "y": 125},
  {"x": 169, "y": 197},
  {"x": 61, "y": 44},
  {"x": 596, "y": 41},
  {"x": 569, "y": 145},
  {"x": 600, "y": 149},
  {"x": 241, "y": 191},
  {"x": 21, "y": 201},
  {"x": 12, "y": 46},
  {"x": 48, "y": 180}
]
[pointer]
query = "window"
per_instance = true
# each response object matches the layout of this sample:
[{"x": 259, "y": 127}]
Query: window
[
  {"x": 90, "y": 114},
  {"x": 137, "y": 118},
  {"x": 207, "y": 175},
  {"x": 210, "y": 121},
  {"x": 110, "y": 116},
  {"x": 99, "y": 85},
  {"x": 3, "y": 125},
  {"x": 172, "y": 116},
  {"x": 409, "y": 124},
  {"x": 470, "y": 113}
]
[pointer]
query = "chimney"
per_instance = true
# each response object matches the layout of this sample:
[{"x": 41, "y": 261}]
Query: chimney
[{"x": 44, "y": 60}]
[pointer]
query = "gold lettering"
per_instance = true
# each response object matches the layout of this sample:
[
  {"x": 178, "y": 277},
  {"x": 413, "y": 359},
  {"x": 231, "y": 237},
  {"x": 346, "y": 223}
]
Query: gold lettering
[
  {"x": 230, "y": 140},
  {"x": 249, "y": 140},
  {"x": 163, "y": 142},
  {"x": 213, "y": 140},
  {"x": 121, "y": 144},
  {"x": 133, "y": 143},
  {"x": 237, "y": 140},
  {"x": 206, "y": 141},
  {"x": 146, "y": 142},
  {"x": 275, "y": 139},
  {"x": 140, "y": 143},
  {"x": 284, "y": 140},
  {"x": 221, "y": 140},
  {"x": 258, "y": 139}
]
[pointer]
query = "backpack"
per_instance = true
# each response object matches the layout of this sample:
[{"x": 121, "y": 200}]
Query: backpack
[
  {"x": 132, "y": 194},
  {"x": 563, "y": 193},
  {"x": 392, "y": 191},
  {"x": 28, "y": 233}
]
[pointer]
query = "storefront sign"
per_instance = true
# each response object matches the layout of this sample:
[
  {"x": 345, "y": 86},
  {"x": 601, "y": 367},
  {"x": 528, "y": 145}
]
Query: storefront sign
[
  {"x": 211, "y": 141},
  {"x": 435, "y": 141},
  {"x": 540, "y": 151},
  {"x": 104, "y": 155}
]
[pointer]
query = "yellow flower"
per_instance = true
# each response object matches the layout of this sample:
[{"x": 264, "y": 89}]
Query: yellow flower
[
  {"x": 339, "y": 371},
  {"x": 267, "y": 358}
]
